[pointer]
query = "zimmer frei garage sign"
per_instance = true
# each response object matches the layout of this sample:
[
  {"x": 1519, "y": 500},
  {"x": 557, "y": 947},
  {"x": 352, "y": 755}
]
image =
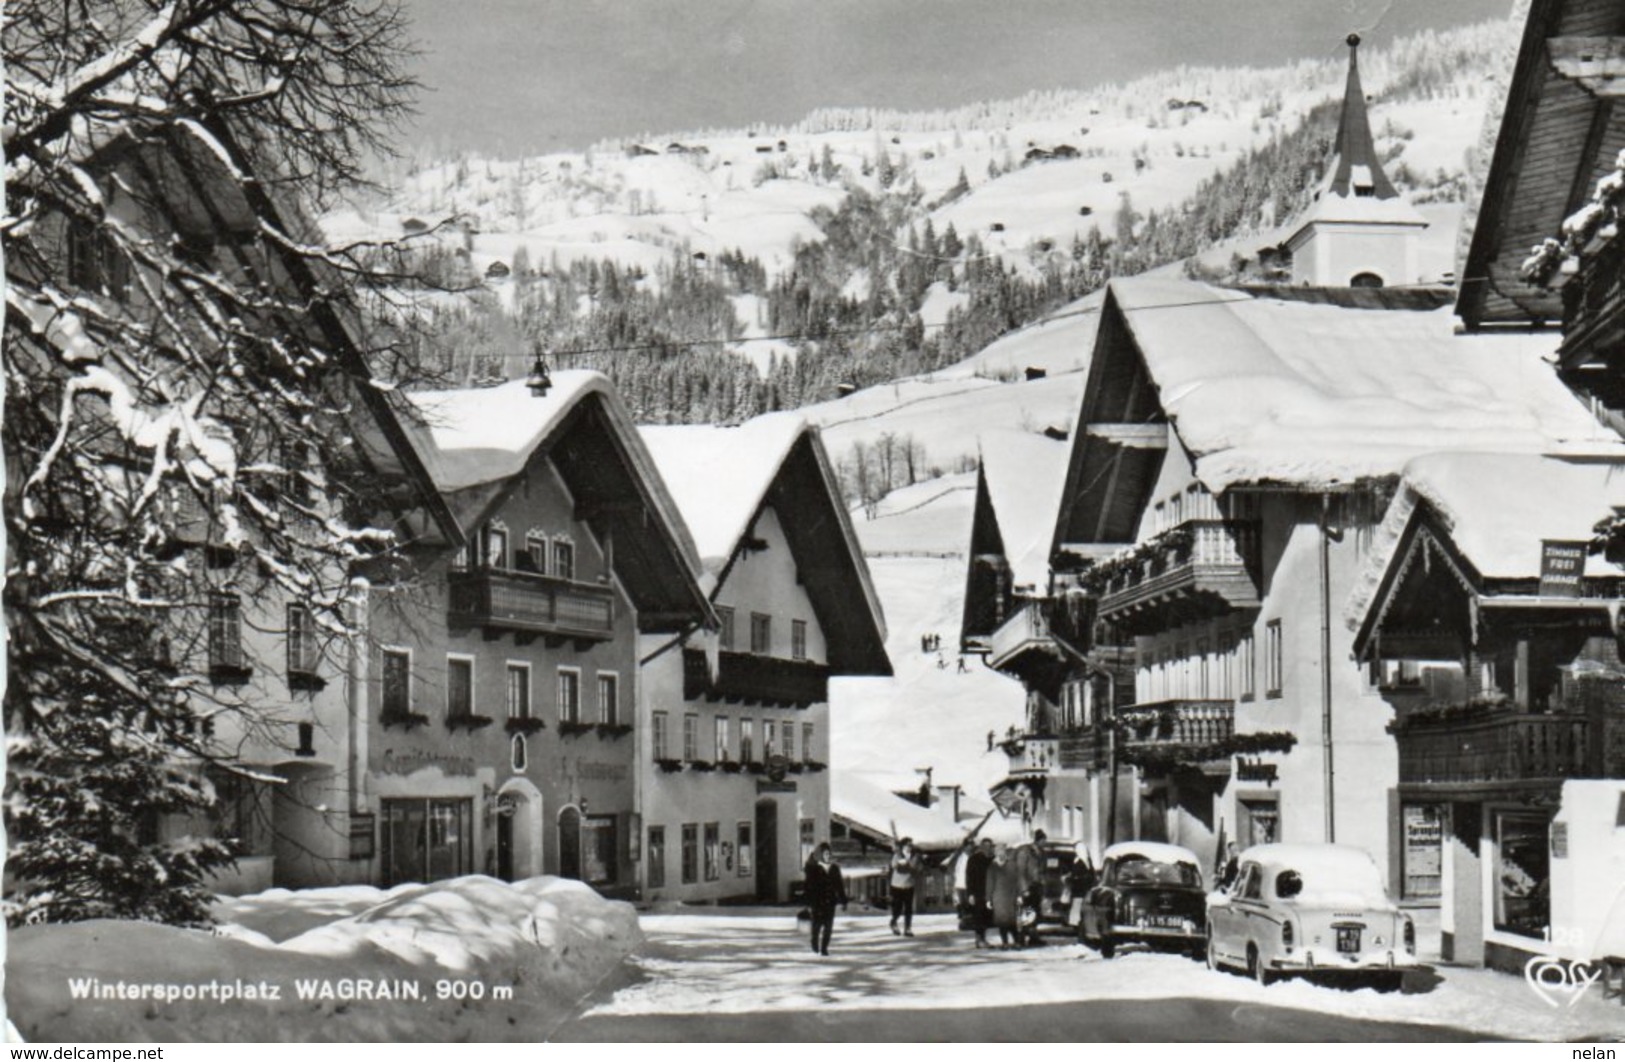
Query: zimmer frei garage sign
[{"x": 1561, "y": 566}]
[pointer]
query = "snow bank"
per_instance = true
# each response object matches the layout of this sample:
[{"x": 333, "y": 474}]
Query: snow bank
[{"x": 356, "y": 964}]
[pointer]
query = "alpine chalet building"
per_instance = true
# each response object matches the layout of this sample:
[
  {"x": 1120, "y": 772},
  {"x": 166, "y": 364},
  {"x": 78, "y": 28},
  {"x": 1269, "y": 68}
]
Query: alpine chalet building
[
  {"x": 733, "y": 730},
  {"x": 497, "y": 726}
]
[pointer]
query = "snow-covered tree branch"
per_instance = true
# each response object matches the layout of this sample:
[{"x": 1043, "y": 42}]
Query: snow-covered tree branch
[{"x": 190, "y": 434}]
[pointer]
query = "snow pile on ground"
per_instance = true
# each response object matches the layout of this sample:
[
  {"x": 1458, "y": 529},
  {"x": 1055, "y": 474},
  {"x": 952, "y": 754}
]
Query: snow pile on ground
[{"x": 419, "y": 962}]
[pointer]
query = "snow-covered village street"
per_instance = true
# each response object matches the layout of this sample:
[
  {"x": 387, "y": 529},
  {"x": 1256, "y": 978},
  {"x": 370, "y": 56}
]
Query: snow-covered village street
[
  {"x": 747, "y": 976},
  {"x": 900, "y": 521}
]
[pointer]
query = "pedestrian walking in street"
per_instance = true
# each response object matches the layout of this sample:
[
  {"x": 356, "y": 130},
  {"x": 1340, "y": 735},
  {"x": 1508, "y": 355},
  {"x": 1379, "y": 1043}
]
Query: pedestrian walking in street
[
  {"x": 976, "y": 868},
  {"x": 1004, "y": 896},
  {"x": 1029, "y": 863},
  {"x": 825, "y": 889},
  {"x": 906, "y": 865}
]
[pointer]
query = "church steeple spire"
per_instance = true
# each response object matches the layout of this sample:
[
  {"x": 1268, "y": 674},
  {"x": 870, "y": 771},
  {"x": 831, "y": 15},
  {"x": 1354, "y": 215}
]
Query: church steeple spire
[{"x": 1356, "y": 168}]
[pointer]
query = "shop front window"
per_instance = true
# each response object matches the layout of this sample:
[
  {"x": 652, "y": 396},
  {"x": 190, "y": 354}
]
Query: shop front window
[
  {"x": 427, "y": 840},
  {"x": 1523, "y": 874},
  {"x": 598, "y": 850}
]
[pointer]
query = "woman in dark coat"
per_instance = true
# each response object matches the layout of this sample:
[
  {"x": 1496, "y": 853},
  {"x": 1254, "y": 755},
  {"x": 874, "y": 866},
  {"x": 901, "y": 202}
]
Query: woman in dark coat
[
  {"x": 825, "y": 888},
  {"x": 1004, "y": 895},
  {"x": 980, "y": 858}
]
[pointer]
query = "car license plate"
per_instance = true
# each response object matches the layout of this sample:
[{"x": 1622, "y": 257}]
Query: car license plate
[
  {"x": 1166, "y": 921},
  {"x": 1348, "y": 939}
]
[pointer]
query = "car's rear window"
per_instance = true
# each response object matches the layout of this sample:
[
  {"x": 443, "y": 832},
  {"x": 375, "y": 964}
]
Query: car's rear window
[{"x": 1138, "y": 870}]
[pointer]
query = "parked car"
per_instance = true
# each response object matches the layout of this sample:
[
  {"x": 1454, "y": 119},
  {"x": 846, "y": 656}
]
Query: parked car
[
  {"x": 1309, "y": 908},
  {"x": 1055, "y": 903},
  {"x": 1148, "y": 894}
]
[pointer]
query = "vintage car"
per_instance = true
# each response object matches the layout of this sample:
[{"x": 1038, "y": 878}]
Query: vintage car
[
  {"x": 1055, "y": 902},
  {"x": 1309, "y": 908},
  {"x": 1148, "y": 894}
]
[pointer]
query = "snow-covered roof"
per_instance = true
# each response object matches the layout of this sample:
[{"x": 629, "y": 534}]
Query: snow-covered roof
[
  {"x": 880, "y": 811},
  {"x": 485, "y": 434},
  {"x": 1025, "y": 474},
  {"x": 1154, "y": 851},
  {"x": 1496, "y": 508},
  {"x": 1499, "y": 506},
  {"x": 1329, "y": 208},
  {"x": 722, "y": 476},
  {"x": 719, "y": 475},
  {"x": 1268, "y": 391},
  {"x": 475, "y": 441}
]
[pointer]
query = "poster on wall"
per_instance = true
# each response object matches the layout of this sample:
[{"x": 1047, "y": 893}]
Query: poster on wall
[{"x": 1423, "y": 834}]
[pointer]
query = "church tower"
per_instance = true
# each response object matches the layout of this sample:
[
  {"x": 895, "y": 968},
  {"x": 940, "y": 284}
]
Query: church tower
[{"x": 1359, "y": 231}]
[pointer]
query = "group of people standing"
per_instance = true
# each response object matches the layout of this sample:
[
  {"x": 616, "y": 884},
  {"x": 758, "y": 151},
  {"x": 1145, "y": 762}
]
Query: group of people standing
[{"x": 998, "y": 887}]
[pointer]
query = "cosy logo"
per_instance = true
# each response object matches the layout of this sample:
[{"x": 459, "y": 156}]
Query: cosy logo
[{"x": 1559, "y": 983}]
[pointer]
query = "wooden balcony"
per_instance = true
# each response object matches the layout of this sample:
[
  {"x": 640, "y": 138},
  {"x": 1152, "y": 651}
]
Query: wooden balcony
[
  {"x": 748, "y": 677},
  {"x": 1200, "y": 568},
  {"x": 1026, "y": 630},
  {"x": 530, "y": 605},
  {"x": 1594, "y": 304},
  {"x": 1177, "y": 722},
  {"x": 1498, "y": 746}
]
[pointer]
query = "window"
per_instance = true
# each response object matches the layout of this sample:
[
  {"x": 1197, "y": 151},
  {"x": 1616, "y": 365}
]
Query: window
[
  {"x": 534, "y": 559},
  {"x": 713, "y": 851},
  {"x": 564, "y": 559},
  {"x": 798, "y": 639},
  {"x": 744, "y": 848},
  {"x": 302, "y": 649},
  {"x": 1523, "y": 857},
  {"x": 723, "y": 752},
  {"x": 761, "y": 633},
  {"x": 1364, "y": 280},
  {"x": 518, "y": 691},
  {"x": 657, "y": 856},
  {"x": 397, "y": 682},
  {"x": 496, "y": 546},
  {"x": 807, "y": 837},
  {"x": 1246, "y": 664},
  {"x": 747, "y": 738},
  {"x": 94, "y": 262},
  {"x": 296, "y": 460},
  {"x": 726, "y": 616},
  {"x": 1260, "y": 822},
  {"x": 459, "y": 687},
  {"x": 459, "y": 560},
  {"x": 788, "y": 733},
  {"x": 569, "y": 696},
  {"x": 691, "y": 736},
  {"x": 770, "y": 738},
  {"x": 1272, "y": 658},
  {"x": 518, "y": 753},
  {"x": 806, "y": 742},
  {"x": 226, "y": 634},
  {"x": 691, "y": 853},
  {"x": 658, "y": 722},
  {"x": 609, "y": 699},
  {"x": 427, "y": 840},
  {"x": 1202, "y": 688}
]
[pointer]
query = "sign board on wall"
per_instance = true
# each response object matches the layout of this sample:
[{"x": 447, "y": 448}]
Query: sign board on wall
[{"x": 1561, "y": 566}]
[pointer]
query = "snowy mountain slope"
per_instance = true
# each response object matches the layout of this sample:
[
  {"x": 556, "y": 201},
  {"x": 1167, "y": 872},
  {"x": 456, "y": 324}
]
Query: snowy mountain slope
[{"x": 1153, "y": 141}]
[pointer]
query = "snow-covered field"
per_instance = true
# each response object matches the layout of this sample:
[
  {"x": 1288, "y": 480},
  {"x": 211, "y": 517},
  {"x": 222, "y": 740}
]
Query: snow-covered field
[
  {"x": 466, "y": 959},
  {"x": 744, "y": 964}
]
